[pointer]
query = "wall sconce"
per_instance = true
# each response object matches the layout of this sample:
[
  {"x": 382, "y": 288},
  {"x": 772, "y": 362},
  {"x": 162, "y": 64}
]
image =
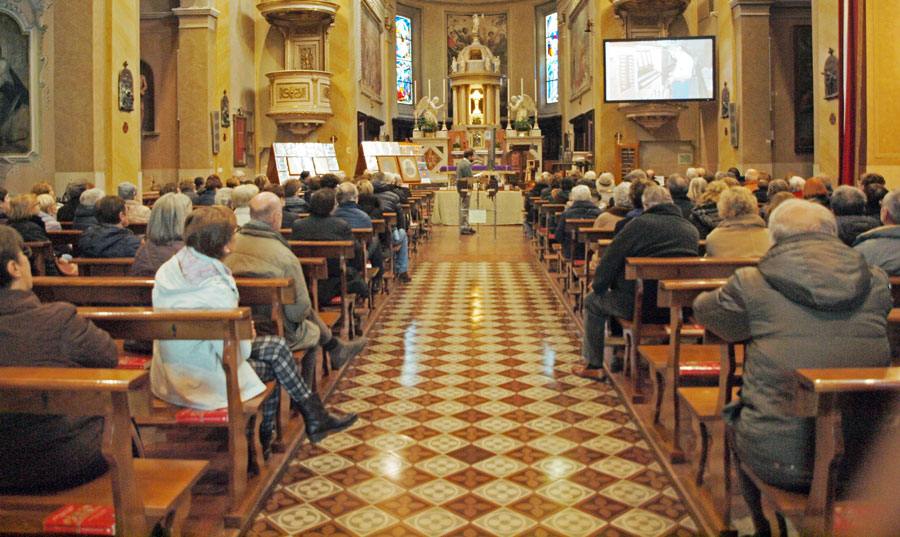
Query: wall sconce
[{"x": 589, "y": 26}]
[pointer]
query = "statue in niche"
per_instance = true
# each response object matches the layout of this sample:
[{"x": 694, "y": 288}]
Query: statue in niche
[
  {"x": 306, "y": 58},
  {"x": 226, "y": 116},
  {"x": 496, "y": 64},
  {"x": 126, "y": 89},
  {"x": 726, "y": 97},
  {"x": 148, "y": 99},
  {"x": 454, "y": 66},
  {"x": 831, "y": 73}
]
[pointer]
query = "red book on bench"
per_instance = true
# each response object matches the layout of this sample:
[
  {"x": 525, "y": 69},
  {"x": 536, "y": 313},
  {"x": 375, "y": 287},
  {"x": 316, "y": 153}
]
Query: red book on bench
[
  {"x": 192, "y": 415},
  {"x": 134, "y": 362},
  {"x": 82, "y": 520}
]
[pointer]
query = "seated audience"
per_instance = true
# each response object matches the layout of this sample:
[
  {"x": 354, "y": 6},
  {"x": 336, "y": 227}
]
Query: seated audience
[
  {"x": 774, "y": 202},
  {"x": 261, "y": 251},
  {"x": 881, "y": 246},
  {"x": 871, "y": 178},
  {"x": 84, "y": 213},
  {"x": 742, "y": 232},
  {"x": 348, "y": 210},
  {"x": 582, "y": 207},
  {"x": 287, "y": 217},
  {"x": 705, "y": 215},
  {"x": 605, "y": 185},
  {"x": 137, "y": 212},
  {"x": 232, "y": 183},
  {"x": 42, "y": 187},
  {"x": 762, "y": 191},
  {"x": 22, "y": 212},
  {"x": 111, "y": 238},
  {"x": 696, "y": 188},
  {"x": 548, "y": 192},
  {"x": 189, "y": 373},
  {"x": 814, "y": 190},
  {"x": 751, "y": 179},
  {"x": 561, "y": 194},
  {"x": 390, "y": 201},
  {"x": 636, "y": 173},
  {"x": 849, "y": 206},
  {"x": 621, "y": 207},
  {"x": 321, "y": 225},
  {"x": 188, "y": 188},
  {"x": 292, "y": 202},
  {"x": 367, "y": 201},
  {"x": 875, "y": 192},
  {"x": 797, "y": 183},
  {"x": 661, "y": 231},
  {"x": 776, "y": 186},
  {"x": 208, "y": 196},
  {"x": 635, "y": 193},
  {"x": 43, "y": 454},
  {"x": 798, "y": 308},
  {"x": 590, "y": 184},
  {"x": 678, "y": 188},
  {"x": 164, "y": 234},
  {"x": 261, "y": 181},
  {"x": 168, "y": 188},
  {"x": 311, "y": 185},
  {"x": 198, "y": 184},
  {"x": 48, "y": 212},
  {"x": 223, "y": 197},
  {"x": 240, "y": 201}
]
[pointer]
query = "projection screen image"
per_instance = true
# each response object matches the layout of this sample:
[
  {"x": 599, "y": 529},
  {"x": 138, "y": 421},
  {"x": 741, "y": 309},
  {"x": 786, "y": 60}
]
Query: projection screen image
[{"x": 659, "y": 70}]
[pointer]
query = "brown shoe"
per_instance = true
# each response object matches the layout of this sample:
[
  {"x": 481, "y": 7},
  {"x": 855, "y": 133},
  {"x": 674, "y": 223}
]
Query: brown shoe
[
  {"x": 403, "y": 277},
  {"x": 595, "y": 374}
]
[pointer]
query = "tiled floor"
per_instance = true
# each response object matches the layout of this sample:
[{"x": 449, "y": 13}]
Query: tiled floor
[{"x": 471, "y": 425}]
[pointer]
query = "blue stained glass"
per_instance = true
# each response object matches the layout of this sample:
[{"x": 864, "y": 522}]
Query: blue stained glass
[
  {"x": 551, "y": 33},
  {"x": 403, "y": 51}
]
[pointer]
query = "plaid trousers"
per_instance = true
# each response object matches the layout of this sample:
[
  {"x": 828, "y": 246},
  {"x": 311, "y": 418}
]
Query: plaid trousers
[{"x": 272, "y": 359}]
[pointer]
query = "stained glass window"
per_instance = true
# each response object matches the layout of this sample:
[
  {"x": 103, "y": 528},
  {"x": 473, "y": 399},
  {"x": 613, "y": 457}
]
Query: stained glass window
[
  {"x": 551, "y": 36},
  {"x": 404, "y": 60}
]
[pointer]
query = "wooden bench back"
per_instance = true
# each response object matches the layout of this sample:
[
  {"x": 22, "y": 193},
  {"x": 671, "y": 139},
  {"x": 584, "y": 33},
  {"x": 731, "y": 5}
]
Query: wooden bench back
[
  {"x": 328, "y": 249},
  {"x": 110, "y": 266},
  {"x": 64, "y": 237},
  {"x": 87, "y": 392},
  {"x": 684, "y": 268},
  {"x": 41, "y": 253}
]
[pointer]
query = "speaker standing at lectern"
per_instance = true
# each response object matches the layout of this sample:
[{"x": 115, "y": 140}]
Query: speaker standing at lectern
[{"x": 463, "y": 184}]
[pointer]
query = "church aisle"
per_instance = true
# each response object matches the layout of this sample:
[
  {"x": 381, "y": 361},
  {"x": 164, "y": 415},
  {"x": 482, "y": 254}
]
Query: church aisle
[{"x": 471, "y": 425}]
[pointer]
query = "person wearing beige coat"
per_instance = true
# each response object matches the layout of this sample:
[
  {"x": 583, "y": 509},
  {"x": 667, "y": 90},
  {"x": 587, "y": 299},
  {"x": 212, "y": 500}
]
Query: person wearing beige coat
[{"x": 742, "y": 232}]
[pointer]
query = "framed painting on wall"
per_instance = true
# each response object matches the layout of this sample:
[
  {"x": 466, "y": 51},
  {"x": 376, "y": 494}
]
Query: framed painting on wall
[
  {"x": 16, "y": 77},
  {"x": 579, "y": 51},
  {"x": 370, "y": 53}
]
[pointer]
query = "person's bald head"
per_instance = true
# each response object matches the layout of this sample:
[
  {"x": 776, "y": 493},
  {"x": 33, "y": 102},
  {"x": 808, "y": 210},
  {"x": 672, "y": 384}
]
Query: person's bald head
[{"x": 266, "y": 207}]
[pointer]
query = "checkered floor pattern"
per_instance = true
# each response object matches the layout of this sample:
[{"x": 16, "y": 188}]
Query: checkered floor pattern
[{"x": 471, "y": 425}]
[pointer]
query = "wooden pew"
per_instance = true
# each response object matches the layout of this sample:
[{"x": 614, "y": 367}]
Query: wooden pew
[
  {"x": 229, "y": 325},
  {"x": 99, "y": 266},
  {"x": 141, "y": 491},
  {"x": 64, "y": 238},
  {"x": 570, "y": 263},
  {"x": 364, "y": 236},
  {"x": 641, "y": 269},
  {"x": 546, "y": 219},
  {"x": 41, "y": 254},
  {"x": 822, "y": 394},
  {"x": 341, "y": 250}
]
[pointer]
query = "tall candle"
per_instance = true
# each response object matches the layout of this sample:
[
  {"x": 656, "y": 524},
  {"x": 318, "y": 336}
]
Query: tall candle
[
  {"x": 444, "y": 98},
  {"x": 415, "y": 85},
  {"x": 521, "y": 86},
  {"x": 535, "y": 91},
  {"x": 429, "y": 89}
]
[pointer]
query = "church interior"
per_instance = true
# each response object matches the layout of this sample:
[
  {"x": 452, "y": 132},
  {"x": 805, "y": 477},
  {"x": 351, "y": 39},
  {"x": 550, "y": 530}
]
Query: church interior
[{"x": 449, "y": 268}]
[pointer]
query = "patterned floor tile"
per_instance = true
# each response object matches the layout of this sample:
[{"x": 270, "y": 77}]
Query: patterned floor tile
[{"x": 472, "y": 425}]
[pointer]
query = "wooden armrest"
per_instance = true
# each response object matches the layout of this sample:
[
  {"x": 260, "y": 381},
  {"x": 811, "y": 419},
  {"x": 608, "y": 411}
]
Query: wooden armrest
[
  {"x": 846, "y": 380},
  {"x": 72, "y": 378}
]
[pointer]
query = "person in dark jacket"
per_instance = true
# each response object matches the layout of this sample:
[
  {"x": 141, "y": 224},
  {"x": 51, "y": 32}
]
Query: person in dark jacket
[
  {"x": 635, "y": 193},
  {"x": 84, "y": 213},
  {"x": 23, "y": 217},
  {"x": 582, "y": 207},
  {"x": 208, "y": 196},
  {"x": 321, "y": 225},
  {"x": 390, "y": 202},
  {"x": 71, "y": 200},
  {"x": 678, "y": 188},
  {"x": 881, "y": 246},
  {"x": 849, "y": 205},
  {"x": 348, "y": 210},
  {"x": 561, "y": 194},
  {"x": 705, "y": 215},
  {"x": 292, "y": 202},
  {"x": 188, "y": 189},
  {"x": 811, "y": 302},
  {"x": 661, "y": 231},
  {"x": 875, "y": 192},
  {"x": 45, "y": 453},
  {"x": 164, "y": 234},
  {"x": 287, "y": 217},
  {"x": 111, "y": 238}
]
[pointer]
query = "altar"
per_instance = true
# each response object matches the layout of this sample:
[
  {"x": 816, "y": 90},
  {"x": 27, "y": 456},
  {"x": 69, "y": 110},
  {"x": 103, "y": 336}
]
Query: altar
[{"x": 510, "y": 204}]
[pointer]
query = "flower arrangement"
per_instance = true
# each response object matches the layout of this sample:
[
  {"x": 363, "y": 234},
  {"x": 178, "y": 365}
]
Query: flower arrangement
[
  {"x": 523, "y": 124},
  {"x": 426, "y": 125}
]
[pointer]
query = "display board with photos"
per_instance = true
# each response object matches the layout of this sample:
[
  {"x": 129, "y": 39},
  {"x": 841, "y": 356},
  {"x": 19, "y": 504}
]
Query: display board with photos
[
  {"x": 289, "y": 160},
  {"x": 407, "y": 159}
]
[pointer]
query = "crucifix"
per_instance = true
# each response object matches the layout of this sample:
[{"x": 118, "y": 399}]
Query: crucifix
[{"x": 476, "y": 97}]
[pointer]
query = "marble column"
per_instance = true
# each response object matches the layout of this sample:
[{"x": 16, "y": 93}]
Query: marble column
[
  {"x": 196, "y": 84},
  {"x": 752, "y": 93}
]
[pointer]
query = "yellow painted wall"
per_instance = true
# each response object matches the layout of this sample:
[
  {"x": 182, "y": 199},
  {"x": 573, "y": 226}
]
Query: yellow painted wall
[
  {"x": 224, "y": 161},
  {"x": 825, "y": 36},
  {"x": 883, "y": 98},
  {"x": 159, "y": 153},
  {"x": 123, "y": 148}
]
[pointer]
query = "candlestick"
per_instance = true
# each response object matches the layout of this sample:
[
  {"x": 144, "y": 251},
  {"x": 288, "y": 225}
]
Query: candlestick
[
  {"x": 521, "y": 86},
  {"x": 444, "y": 98},
  {"x": 535, "y": 91},
  {"x": 415, "y": 85},
  {"x": 429, "y": 89}
]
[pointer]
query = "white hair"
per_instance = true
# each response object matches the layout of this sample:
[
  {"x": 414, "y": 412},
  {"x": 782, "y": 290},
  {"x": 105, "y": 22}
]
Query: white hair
[
  {"x": 655, "y": 195},
  {"x": 691, "y": 173},
  {"x": 797, "y": 183},
  {"x": 91, "y": 196},
  {"x": 580, "y": 193},
  {"x": 795, "y": 217},
  {"x": 621, "y": 197},
  {"x": 751, "y": 175},
  {"x": 347, "y": 192},
  {"x": 223, "y": 196},
  {"x": 243, "y": 194},
  {"x": 890, "y": 204}
]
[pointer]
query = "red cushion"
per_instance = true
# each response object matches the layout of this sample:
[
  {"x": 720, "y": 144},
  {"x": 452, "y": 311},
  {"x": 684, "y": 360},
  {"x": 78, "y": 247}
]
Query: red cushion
[
  {"x": 134, "y": 362},
  {"x": 82, "y": 519},
  {"x": 191, "y": 415},
  {"x": 701, "y": 369}
]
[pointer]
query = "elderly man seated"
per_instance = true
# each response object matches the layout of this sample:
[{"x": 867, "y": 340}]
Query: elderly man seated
[
  {"x": 812, "y": 302},
  {"x": 660, "y": 231},
  {"x": 137, "y": 212},
  {"x": 881, "y": 246},
  {"x": 582, "y": 207},
  {"x": 45, "y": 453},
  {"x": 348, "y": 210},
  {"x": 261, "y": 251}
]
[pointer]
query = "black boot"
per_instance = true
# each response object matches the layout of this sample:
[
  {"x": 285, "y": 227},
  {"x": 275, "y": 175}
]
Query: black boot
[{"x": 319, "y": 423}]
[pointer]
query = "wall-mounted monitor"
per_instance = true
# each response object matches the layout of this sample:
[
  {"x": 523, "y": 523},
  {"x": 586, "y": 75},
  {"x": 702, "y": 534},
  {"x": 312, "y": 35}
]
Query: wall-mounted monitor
[{"x": 665, "y": 69}]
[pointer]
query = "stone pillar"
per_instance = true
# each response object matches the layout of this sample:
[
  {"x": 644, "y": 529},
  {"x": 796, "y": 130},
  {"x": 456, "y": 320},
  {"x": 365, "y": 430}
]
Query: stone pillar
[
  {"x": 196, "y": 84},
  {"x": 752, "y": 92}
]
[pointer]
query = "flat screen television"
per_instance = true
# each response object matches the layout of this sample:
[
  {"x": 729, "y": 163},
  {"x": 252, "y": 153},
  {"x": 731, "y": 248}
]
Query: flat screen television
[{"x": 664, "y": 69}]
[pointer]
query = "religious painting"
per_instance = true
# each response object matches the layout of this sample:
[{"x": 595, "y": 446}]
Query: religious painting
[
  {"x": 370, "y": 53},
  {"x": 15, "y": 89},
  {"x": 493, "y": 32},
  {"x": 803, "y": 89},
  {"x": 579, "y": 51}
]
